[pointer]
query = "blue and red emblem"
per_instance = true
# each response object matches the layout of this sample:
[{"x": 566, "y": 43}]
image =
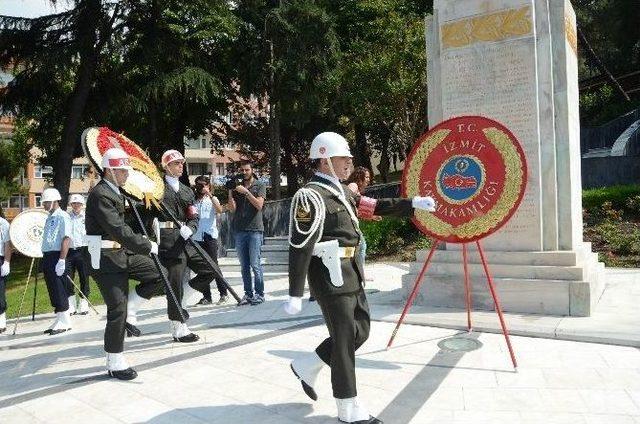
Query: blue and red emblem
[{"x": 476, "y": 171}]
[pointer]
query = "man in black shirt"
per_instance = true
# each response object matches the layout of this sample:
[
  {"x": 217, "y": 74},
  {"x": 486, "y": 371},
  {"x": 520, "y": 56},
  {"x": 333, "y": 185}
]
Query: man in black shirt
[{"x": 246, "y": 200}]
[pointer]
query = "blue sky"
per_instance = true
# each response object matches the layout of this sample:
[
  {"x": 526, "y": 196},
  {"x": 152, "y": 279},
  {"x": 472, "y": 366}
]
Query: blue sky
[{"x": 31, "y": 8}]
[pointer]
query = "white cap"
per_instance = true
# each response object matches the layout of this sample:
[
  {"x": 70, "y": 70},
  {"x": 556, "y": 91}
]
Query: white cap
[
  {"x": 50, "y": 195},
  {"x": 115, "y": 158},
  {"x": 76, "y": 198},
  {"x": 329, "y": 144},
  {"x": 171, "y": 156}
]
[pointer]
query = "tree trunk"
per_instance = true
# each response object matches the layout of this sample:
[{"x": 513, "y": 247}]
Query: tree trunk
[
  {"x": 362, "y": 156},
  {"x": 383, "y": 167},
  {"x": 274, "y": 149},
  {"x": 71, "y": 130}
]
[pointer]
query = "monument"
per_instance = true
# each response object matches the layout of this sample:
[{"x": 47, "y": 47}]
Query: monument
[{"x": 515, "y": 61}]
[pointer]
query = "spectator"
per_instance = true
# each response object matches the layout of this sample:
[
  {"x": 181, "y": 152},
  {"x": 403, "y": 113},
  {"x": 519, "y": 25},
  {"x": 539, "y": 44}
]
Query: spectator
[
  {"x": 208, "y": 207},
  {"x": 246, "y": 201},
  {"x": 357, "y": 182}
]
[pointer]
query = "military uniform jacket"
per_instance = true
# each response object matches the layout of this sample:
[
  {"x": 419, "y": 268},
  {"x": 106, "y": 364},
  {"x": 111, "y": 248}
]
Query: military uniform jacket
[
  {"x": 105, "y": 216},
  {"x": 338, "y": 225},
  {"x": 171, "y": 242}
]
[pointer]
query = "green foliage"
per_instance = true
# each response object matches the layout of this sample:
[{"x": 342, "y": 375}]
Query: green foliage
[
  {"x": 611, "y": 202},
  {"x": 391, "y": 236}
]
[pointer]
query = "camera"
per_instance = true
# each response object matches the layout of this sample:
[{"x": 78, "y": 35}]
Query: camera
[{"x": 233, "y": 181}]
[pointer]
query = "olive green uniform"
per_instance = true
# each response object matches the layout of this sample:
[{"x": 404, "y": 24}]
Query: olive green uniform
[
  {"x": 106, "y": 216},
  {"x": 344, "y": 308},
  {"x": 176, "y": 253}
]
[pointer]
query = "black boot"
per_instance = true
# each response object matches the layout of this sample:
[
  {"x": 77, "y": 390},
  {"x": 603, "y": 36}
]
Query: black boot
[
  {"x": 132, "y": 330},
  {"x": 189, "y": 338},
  {"x": 128, "y": 374}
]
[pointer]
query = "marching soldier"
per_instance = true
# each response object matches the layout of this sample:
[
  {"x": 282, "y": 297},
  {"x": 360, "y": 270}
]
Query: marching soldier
[
  {"x": 116, "y": 254},
  {"x": 175, "y": 254},
  {"x": 76, "y": 256},
  {"x": 5, "y": 269},
  {"x": 55, "y": 246},
  {"x": 324, "y": 243}
]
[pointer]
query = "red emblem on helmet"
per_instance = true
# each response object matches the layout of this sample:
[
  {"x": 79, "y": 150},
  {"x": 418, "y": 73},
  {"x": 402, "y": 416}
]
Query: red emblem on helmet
[{"x": 322, "y": 150}]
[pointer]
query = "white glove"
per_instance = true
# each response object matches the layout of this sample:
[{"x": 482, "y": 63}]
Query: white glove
[
  {"x": 185, "y": 232},
  {"x": 5, "y": 269},
  {"x": 154, "y": 248},
  {"x": 425, "y": 203},
  {"x": 60, "y": 267},
  {"x": 293, "y": 305}
]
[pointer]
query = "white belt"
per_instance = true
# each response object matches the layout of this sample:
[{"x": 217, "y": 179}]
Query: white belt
[
  {"x": 169, "y": 224},
  {"x": 110, "y": 244}
]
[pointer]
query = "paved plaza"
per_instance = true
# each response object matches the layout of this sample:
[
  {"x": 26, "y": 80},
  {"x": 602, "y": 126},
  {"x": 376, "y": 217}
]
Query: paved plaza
[{"x": 239, "y": 371}]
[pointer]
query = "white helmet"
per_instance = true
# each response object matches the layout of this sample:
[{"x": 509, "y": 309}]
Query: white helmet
[
  {"x": 115, "y": 158},
  {"x": 329, "y": 144},
  {"x": 171, "y": 156},
  {"x": 76, "y": 198},
  {"x": 50, "y": 195}
]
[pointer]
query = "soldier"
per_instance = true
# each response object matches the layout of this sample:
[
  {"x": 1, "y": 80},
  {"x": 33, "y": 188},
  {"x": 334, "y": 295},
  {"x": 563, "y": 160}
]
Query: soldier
[
  {"x": 55, "y": 246},
  {"x": 117, "y": 253},
  {"x": 5, "y": 269},
  {"x": 76, "y": 256},
  {"x": 175, "y": 253},
  {"x": 324, "y": 242}
]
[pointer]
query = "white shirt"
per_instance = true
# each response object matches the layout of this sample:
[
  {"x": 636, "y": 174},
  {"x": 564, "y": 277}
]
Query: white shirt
[
  {"x": 173, "y": 182},
  {"x": 78, "y": 231}
]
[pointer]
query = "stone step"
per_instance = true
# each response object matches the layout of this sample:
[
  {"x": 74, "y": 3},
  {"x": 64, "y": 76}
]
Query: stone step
[
  {"x": 277, "y": 240},
  {"x": 273, "y": 254},
  {"x": 535, "y": 296},
  {"x": 282, "y": 268},
  {"x": 572, "y": 273},
  {"x": 264, "y": 260},
  {"x": 551, "y": 258}
]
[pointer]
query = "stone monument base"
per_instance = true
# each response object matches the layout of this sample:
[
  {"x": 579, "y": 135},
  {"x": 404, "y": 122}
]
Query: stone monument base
[{"x": 544, "y": 282}]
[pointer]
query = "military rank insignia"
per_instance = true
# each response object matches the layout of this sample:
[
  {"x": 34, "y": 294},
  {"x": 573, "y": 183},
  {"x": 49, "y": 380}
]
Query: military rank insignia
[
  {"x": 476, "y": 171},
  {"x": 303, "y": 215}
]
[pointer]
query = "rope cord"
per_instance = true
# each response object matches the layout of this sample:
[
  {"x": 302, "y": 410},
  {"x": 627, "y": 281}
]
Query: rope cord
[{"x": 306, "y": 198}]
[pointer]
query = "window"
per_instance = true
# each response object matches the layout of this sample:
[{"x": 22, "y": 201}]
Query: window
[
  {"x": 79, "y": 171},
  {"x": 40, "y": 171},
  {"x": 203, "y": 142},
  {"x": 14, "y": 201},
  {"x": 197, "y": 168},
  {"x": 220, "y": 168},
  {"x": 38, "y": 200}
]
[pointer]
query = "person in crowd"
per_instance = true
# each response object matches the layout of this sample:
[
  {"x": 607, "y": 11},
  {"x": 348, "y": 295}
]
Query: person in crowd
[
  {"x": 246, "y": 201},
  {"x": 76, "y": 256},
  {"x": 357, "y": 182},
  {"x": 56, "y": 239},
  {"x": 208, "y": 207},
  {"x": 5, "y": 269}
]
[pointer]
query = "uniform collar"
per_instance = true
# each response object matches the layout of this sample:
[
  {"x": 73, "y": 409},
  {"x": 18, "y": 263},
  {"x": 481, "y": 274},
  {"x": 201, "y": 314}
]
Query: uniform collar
[
  {"x": 329, "y": 178},
  {"x": 173, "y": 182},
  {"x": 113, "y": 186},
  {"x": 72, "y": 213}
]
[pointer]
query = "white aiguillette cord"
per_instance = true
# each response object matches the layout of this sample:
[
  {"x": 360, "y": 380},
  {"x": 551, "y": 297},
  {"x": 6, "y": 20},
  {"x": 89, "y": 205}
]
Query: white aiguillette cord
[{"x": 306, "y": 198}]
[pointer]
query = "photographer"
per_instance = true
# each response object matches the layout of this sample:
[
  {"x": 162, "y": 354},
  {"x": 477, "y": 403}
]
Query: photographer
[{"x": 246, "y": 198}]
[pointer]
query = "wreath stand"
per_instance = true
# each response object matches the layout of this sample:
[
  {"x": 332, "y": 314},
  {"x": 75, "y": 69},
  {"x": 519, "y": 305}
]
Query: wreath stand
[{"x": 467, "y": 290}]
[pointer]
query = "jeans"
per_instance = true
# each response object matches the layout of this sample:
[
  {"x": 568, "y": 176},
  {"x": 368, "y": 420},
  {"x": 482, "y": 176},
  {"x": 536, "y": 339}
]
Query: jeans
[
  {"x": 248, "y": 245},
  {"x": 3, "y": 289}
]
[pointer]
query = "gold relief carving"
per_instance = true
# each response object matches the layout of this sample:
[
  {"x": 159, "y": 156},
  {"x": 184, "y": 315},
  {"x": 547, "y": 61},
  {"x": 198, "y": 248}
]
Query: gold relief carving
[
  {"x": 497, "y": 26},
  {"x": 570, "y": 32}
]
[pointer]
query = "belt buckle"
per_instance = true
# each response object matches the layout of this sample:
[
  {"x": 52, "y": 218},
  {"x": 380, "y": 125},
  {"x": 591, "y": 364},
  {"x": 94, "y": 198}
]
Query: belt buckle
[{"x": 349, "y": 252}]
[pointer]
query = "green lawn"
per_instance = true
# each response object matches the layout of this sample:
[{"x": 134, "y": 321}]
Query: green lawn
[{"x": 16, "y": 285}]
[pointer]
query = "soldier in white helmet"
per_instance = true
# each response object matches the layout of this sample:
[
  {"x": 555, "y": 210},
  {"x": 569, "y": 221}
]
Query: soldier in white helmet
[
  {"x": 175, "y": 253},
  {"x": 117, "y": 253},
  {"x": 324, "y": 242},
  {"x": 55, "y": 246},
  {"x": 76, "y": 256}
]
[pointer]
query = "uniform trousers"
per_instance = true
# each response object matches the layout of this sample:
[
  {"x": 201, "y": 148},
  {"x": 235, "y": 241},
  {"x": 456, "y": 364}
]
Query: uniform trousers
[
  {"x": 176, "y": 267},
  {"x": 348, "y": 321},
  {"x": 58, "y": 294},
  {"x": 3, "y": 291},
  {"x": 210, "y": 245},
  {"x": 114, "y": 287},
  {"x": 76, "y": 262}
]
